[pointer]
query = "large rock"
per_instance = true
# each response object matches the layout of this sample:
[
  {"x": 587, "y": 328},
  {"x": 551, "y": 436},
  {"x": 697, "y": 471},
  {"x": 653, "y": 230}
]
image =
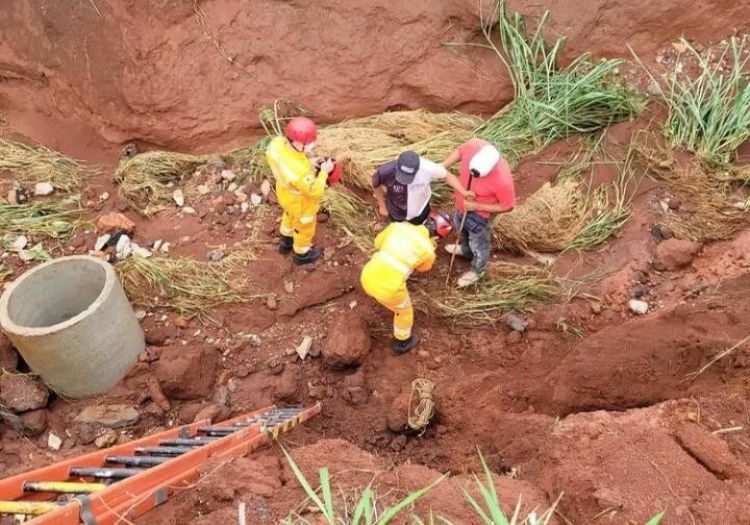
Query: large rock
[
  {"x": 21, "y": 392},
  {"x": 348, "y": 341},
  {"x": 111, "y": 416},
  {"x": 187, "y": 372},
  {"x": 674, "y": 254}
]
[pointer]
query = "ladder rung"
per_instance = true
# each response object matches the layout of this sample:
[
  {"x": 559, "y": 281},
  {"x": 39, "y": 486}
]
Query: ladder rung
[
  {"x": 63, "y": 487},
  {"x": 163, "y": 451},
  {"x": 104, "y": 473},
  {"x": 218, "y": 431},
  {"x": 28, "y": 508},
  {"x": 136, "y": 461},
  {"x": 187, "y": 442}
]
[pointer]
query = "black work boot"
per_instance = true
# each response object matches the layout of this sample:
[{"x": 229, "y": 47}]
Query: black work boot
[
  {"x": 310, "y": 257},
  {"x": 402, "y": 347},
  {"x": 285, "y": 244}
]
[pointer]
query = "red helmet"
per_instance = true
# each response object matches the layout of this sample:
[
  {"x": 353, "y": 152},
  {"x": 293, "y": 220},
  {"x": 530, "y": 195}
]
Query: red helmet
[
  {"x": 301, "y": 129},
  {"x": 439, "y": 225}
]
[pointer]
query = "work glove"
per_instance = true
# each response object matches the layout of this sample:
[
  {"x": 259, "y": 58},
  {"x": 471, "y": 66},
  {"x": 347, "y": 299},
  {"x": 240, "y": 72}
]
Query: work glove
[{"x": 327, "y": 164}]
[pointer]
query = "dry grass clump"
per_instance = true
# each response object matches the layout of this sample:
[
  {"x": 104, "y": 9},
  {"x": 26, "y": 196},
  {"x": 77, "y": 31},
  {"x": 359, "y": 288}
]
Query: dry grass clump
[
  {"x": 505, "y": 287},
  {"x": 41, "y": 218},
  {"x": 720, "y": 208},
  {"x": 350, "y": 215},
  {"x": 187, "y": 285},
  {"x": 144, "y": 179},
  {"x": 32, "y": 164}
]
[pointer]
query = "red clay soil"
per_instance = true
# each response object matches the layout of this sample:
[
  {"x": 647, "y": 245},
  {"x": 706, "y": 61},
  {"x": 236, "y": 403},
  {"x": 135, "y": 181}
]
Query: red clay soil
[
  {"x": 192, "y": 74},
  {"x": 590, "y": 401}
]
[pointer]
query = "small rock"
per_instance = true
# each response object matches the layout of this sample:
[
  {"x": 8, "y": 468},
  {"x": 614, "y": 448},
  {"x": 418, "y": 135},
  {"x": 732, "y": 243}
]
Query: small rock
[
  {"x": 19, "y": 243},
  {"x": 107, "y": 439},
  {"x": 661, "y": 232},
  {"x": 164, "y": 248},
  {"x": 21, "y": 392},
  {"x": 35, "y": 422},
  {"x": 140, "y": 314},
  {"x": 157, "y": 396},
  {"x": 398, "y": 443},
  {"x": 287, "y": 387},
  {"x": 104, "y": 197},
  {"x": 288, "y": 286},
  {"x": 8, "y": 354},
  {"x": 203, "y": 189},
  {"x": 54, "y": 442},
  {"x": 516, "y": 322},
  {"x": 241, "y": 196},
  {"x": 275, "y": 366},
  {"x": 101, "y": 242},
  {"x": 112, "y": 416},
  {"x": 254, "y": 339},
  {"x": 187, "y": 210},
  {"x": 638, "y": 307},
  {"x": 317, "y": 391},
  {"x": 18, "y": 196},
  {"x": 265, "y": 188},
  {"x": 139, "y": 251},
  {"x": 639, "y": 290},
  {"x": 181, "y": 322},
  {"x": 674, "y": 254},
  {"x": 674, "y": 203},
  {"x": 113, "y": 222},
  {"x": 42, "y": 189},
  {"x": 187, "y": 412},
  {"x": 272, "y": 303},
  {"x": 228, "y": 175},
  {"x": 179, "y": 198},
  {"x": 352, "y": 305},
  {"x": 124, "y": 248},
  {"x": 233, "y": 187},
  {"x": 244, "y": 207},
  {"x": 596, "y": 307},
  {"x": 304, "y": 348},
  {"x": 255, "y": 199},
  {"x": 215, "y": 255}
]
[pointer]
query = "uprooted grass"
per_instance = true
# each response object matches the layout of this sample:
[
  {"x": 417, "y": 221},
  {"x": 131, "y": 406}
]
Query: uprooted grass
[
  {"x": 709, "y": 114},
  {"x": 184, "y": 284},
  {"x": 145, "y": 178},
  {"x": 720, "y": 208},
  {"x": 569, "y": 214},
  {"x": 505, "y": 287},
  {"x": 551, "y": 102},
  {"x": 31, "y": 164},
  {"x": 350, "y": 215},
  {"x": 41, "y": 218}
]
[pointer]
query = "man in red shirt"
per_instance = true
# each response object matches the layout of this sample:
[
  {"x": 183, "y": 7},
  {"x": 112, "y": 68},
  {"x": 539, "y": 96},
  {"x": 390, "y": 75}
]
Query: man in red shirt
[{"x": 488, "y": 178}]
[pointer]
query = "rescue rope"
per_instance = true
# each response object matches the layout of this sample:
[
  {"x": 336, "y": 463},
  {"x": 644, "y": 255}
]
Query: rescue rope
[{"x": 421, "y": 415}]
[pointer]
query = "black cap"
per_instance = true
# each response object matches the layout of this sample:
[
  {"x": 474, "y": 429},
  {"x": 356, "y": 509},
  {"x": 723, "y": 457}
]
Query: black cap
[{"x": 407, "y": 167}]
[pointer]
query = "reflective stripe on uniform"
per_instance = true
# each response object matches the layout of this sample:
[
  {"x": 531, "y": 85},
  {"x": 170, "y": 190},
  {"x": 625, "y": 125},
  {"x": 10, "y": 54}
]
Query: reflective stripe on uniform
[
  {"x": 307, "y": 219},
  {"x": 288, "y": 174},
  {"x": 394, "y": 263},
  {"x": 401, "y": 333}
]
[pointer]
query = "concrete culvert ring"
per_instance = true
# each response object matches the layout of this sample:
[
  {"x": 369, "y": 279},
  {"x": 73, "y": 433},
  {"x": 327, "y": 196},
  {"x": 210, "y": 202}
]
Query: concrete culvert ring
[{"x": 72, "y": 323}]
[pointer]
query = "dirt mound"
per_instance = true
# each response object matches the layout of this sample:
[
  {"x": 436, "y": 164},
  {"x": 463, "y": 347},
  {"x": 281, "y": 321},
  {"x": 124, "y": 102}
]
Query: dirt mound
[
  {"x": 182, "y": 79},
  {"x": 629, "y": 471},
  {"x": 649, "y": 359}
]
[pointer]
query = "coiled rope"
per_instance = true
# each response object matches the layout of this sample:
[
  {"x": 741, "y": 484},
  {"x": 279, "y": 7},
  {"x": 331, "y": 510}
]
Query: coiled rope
[{"x": 421, "y": 415}]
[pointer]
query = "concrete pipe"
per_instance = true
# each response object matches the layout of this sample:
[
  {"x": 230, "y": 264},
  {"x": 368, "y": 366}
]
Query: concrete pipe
[{"x": 70, "y": 320}]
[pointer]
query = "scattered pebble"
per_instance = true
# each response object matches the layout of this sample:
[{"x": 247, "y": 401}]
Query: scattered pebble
[
  {"x": 203, "y": 189},
  {"x": 107, "y": 439},
  {"x": 187, "y": 210},
  {"x": 215, "y": 255},
  {"x": 638, "y": 307},
  {"x": 228, "y": 175},
  {"x": 54, "y": 442},
  {"x": 140, "y": 314},
  {"x": 304, "y": 348},
  {"x": 140, "y": 251},
  {"x": 20, "y": 243},
  {"x": 179, "y": 198},
  {"x": 157, "y": 244},
  {"x": 124, "y": 248},
  {"x": 255, "y": 199},
  {"x": 288, "y": 286},
  {"x": 42, "y": 189},
  {"x": 104, "y": 197},
  {"x": 165, "y": 247},
  {"x": 233, "y": 187},
  {"x": 516, "y": 323},
  {"x": 352, "y": 305},
  {"x": 245, "y": 207},
  {"x": 265, "y": 188}
]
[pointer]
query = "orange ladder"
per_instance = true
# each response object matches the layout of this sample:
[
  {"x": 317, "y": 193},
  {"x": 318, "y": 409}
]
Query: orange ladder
[{"x": 122, "y": 482}]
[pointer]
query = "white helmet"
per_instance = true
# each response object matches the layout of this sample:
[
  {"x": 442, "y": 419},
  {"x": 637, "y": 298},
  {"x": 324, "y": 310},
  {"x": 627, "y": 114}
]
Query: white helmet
[{"x": 484, "y": 161}]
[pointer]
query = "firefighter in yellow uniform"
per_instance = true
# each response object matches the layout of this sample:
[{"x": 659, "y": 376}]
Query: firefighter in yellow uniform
[
  {"x": 402, "y": 248},
  {"x": 300, "y": 184}
]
